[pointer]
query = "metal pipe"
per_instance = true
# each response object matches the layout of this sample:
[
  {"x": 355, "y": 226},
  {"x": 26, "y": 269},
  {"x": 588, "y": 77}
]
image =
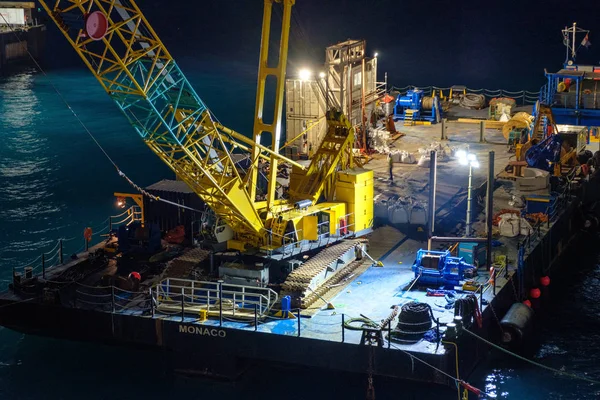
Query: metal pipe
[
  {"x": 182, "y": 306},
  {"x": 432, "y": 190},
  {"x": 481, "y": 131},
  {"x": 255, "y": 318},
  {"x": 242, "y": 138},
  {"x": 152, "y": 301},
  {"x": 112, "y": 297},
  {"x": 444, "y": 136},
  {"x": 458, "y": 239},
  {"x": 490, "y": 207},
  {"x": 469, "y": 199},
  {"x": 389, "y": 340},
  {"x": 298, "y": 317},
  {"x": 343, "y": 328},
  {"x": 221, "y": 303}
]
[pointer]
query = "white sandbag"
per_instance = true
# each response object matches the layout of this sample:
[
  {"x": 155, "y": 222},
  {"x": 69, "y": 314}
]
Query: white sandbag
[
  {"x": 418, "y": 215},
  {"x": 396, "y": 156},
  {"x": 407, "y": 158},
  {"x": 510, "y": 225},
  {"x": 526, "y": 227},
  {"x": 381, "y": 209},
  {"x": 398, "y": 214},
  {"x": 424, "y": 161}
]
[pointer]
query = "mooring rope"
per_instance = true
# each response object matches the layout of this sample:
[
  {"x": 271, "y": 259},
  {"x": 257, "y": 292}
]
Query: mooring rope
[{"x": 557, "y": 371}]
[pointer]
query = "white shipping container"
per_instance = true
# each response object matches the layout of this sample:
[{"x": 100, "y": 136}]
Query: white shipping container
[{"x": 12, "y": 16}]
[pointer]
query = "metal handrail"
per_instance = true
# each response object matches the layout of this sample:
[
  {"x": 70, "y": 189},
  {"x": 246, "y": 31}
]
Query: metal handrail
[{"x": 202, "y": 292}]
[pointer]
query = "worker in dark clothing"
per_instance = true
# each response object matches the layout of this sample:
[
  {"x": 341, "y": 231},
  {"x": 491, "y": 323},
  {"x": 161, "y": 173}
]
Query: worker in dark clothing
[{"x": 391, "y": 166}]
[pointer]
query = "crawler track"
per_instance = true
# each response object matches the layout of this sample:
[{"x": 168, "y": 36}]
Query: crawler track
[{"x": 327, "y": 267}]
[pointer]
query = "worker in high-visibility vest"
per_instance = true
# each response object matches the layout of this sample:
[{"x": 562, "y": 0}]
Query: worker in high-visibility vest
[{"x": 391, "y": 167}]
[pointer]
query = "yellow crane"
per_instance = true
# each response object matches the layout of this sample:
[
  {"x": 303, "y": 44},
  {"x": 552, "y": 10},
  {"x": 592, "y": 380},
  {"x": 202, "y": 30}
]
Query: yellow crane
[{"x": 122, "y": 50}]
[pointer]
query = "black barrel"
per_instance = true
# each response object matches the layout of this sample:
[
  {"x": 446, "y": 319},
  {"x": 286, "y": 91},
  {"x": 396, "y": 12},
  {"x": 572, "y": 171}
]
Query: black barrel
[{"x": 516, "y": 324}]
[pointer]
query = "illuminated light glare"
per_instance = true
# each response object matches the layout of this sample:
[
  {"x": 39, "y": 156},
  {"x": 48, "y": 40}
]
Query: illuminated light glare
[
  {"x": 461, "y": 154},
  {"x": 322, "y": 74},
  {"x": 463, "y": 161},
  {"x": 471, "y": 157},
  {"x": 376, "y": 54},
  {"x": 475, "y": 164},
  {"x": 304, "y": 74}
]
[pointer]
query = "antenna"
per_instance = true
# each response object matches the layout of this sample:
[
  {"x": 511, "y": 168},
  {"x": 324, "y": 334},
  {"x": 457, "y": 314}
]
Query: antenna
[{"x": 570, "y": 42}]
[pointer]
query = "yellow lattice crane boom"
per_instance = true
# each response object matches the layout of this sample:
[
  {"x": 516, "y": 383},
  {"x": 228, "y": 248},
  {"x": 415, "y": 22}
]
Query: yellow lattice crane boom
[{"x": 119, "y": 46}]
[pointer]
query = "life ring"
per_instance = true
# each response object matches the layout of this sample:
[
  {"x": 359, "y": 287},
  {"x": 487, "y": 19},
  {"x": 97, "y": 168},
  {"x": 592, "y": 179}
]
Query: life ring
[{"x": 87, "y": 234}]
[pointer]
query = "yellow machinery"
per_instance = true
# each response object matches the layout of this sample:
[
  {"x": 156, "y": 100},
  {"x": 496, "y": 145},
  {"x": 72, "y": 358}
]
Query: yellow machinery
[{"x": 125, "y": 54}]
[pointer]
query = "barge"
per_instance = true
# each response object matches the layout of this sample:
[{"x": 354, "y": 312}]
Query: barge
[
  {"x": 22, "y": 35},
  {"x": 364, "y": 290}
]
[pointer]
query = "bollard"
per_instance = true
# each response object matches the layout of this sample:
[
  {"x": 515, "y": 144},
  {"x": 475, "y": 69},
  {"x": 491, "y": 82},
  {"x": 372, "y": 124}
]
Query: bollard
[
  {"x": 343, "y": 328},
  {"x": 481, "y": 131}
]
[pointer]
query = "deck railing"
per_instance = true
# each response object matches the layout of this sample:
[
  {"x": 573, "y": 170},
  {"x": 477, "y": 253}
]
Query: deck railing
[
  {"x": 523, "y": 97},
  {"x": 192, "y": 296}
]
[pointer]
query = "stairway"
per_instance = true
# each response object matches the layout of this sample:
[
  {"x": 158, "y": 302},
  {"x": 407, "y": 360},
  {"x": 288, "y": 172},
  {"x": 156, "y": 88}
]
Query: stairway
[{"x": 410, "y": 116}]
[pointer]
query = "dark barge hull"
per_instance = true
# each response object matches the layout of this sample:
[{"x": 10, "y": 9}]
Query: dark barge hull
[{"x": 223, "y": 351}]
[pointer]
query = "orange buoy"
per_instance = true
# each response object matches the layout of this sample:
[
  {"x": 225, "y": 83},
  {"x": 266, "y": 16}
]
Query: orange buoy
[
  {"x": 492, "y": 282},
  {"x": 527, "y": 303},
  {"x": 545, "y": 281},
  {"x": 87, "y": 233},
  {"x": 535, "y": 293}
]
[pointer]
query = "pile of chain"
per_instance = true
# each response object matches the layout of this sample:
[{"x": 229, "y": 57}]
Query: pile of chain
[{"x": 414, "y": 320}]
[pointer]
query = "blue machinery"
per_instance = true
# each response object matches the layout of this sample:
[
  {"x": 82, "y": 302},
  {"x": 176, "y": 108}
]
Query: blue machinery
[
  {"x": 439, "y": 268},
  {"x": 414, "y": 106},
  {"x": 545, "y": 154}
]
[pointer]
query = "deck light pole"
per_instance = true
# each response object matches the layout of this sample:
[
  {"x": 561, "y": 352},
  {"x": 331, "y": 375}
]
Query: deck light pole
[{"x": 469, "y": 159}]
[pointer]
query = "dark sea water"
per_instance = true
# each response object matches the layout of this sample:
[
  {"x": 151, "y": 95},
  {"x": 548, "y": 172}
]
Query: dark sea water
[{"x": 54, "y": 181}]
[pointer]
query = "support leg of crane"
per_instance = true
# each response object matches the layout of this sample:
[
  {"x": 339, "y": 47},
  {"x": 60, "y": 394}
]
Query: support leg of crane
[
  {"x": 376, "y": 263},
  {"x": 330, "y": 306}
]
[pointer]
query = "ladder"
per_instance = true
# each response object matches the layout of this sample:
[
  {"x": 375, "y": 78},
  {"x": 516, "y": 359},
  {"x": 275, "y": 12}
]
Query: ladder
[{"x": 543, "y": 121}]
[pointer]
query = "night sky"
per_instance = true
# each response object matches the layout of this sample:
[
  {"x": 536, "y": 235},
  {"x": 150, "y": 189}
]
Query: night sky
[{"x": 505, "y": 44}]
